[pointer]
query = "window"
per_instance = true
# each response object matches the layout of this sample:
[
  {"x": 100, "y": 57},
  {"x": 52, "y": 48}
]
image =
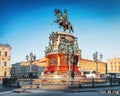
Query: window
[
  {"x": 5, "y": 53},
  {"x": 94, "y": 72},
  {"x": 111, "y": 67},
  {"x": 115, "y": 67},
  {"x": 86, "y": 72},
  {"x": 0, "y": 53},
  {"x": 5, "y": 64},
  {"x": 5, "y": 74}
]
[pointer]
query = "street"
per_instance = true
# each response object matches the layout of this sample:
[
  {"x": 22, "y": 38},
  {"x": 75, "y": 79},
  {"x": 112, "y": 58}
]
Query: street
[
  {"x": 59, "y": 94},
  {"x": 2, "y": 89},
  {"x": 104, "y": 91}
]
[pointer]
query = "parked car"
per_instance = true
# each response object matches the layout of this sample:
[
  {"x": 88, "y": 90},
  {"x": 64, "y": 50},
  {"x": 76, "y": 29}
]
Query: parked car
[{"x": 89, "y": 73}]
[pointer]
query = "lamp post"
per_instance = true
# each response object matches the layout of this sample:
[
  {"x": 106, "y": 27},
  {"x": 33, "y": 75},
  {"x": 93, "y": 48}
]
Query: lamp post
[
  {"x": 73, "y": 64},
  {"x": 68, "y": 53},
  {"x": 97, "y": 58},
  {"x": 30, "y": 58},
  {"x": 68, "y": 58}
]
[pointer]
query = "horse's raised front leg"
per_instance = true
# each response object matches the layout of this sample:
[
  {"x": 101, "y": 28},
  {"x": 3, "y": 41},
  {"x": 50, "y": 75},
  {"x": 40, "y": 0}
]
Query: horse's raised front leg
[{"x": 65, "y": 28}]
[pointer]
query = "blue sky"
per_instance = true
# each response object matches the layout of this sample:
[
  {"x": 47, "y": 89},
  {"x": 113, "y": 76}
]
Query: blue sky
[{"x": 26, "y": 25}]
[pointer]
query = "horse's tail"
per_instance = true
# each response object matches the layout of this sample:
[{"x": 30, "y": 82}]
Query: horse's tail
[
  {"x": 53, "y": 22},
  {"x": 72, "y": 29},
  {"x": 70, "y": 26}
]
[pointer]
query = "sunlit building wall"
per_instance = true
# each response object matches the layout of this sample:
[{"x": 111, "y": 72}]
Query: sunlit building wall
[
  {"x": 85, "y": 64},
  {"x": 114, "y": 65},
  {"x": 4, "y": 60},
  {"x": 22, "y": 69}
]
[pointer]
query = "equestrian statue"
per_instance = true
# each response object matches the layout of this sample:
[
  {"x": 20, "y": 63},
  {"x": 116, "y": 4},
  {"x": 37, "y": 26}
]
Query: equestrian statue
[{"x": 62, "y": 20}]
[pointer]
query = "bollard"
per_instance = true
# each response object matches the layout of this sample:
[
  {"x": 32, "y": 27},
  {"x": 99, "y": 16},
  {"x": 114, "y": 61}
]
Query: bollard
[
  {"x": 119, "y": 81},
  {"x": 80, "y": 85},
  {"x": 111, "y": 81},
  {"x": 93, "y": 82},
  {"x": 37, "y": 85}
]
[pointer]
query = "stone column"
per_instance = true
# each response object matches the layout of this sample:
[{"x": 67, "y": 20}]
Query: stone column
[
  {"x": 58, "y": 58},
  {"x": 117, "y": 67}
]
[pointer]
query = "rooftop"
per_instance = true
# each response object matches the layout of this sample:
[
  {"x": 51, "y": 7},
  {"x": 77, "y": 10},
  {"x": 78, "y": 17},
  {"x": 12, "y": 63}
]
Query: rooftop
[{"x": 5, "y": 45}]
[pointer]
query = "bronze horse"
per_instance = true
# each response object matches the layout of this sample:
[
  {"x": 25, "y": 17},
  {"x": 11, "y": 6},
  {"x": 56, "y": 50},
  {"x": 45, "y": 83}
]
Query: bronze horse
[{"x": 62, "y": 20}]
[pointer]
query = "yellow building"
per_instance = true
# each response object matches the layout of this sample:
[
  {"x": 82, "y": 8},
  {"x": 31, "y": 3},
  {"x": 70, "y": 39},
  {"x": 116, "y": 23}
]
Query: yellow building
[
  {"x": 85, "y": 64},
  {"x": 4, "y": 60},
  {"x": 22, "y": 69},
  {"x": 114, "y": 65},
  {"x": 38, "y": 62}
]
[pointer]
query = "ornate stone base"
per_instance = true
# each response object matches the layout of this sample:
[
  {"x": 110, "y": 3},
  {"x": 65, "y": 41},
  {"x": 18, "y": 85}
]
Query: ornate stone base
[
  {"x": 62, "y": 55},
  {"x": 59, "y": 81}
]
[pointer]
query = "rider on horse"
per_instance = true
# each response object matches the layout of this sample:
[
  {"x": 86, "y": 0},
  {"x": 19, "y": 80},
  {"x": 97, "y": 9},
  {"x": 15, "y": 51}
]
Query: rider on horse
[{"x": 62, "y": 20}]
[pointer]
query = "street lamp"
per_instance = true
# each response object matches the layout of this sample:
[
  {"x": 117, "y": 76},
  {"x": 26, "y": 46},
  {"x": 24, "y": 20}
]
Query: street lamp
[
  {"x": 68, "y": 58},
  {"x": 30, "y": 58},
  {"x": 97, "y": 59},
  {"x": 73, "y": 64},
  {"x": 68, "y": 55}
]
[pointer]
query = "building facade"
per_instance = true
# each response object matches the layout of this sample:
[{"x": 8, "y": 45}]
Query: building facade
[
  {"x": 4, "y": 60},
  {"x": 114, "y": 65},
  {"x": 22, "y": 69},
  {"x": 16, "y": 70},
  {"x": 85, "y": 64}
]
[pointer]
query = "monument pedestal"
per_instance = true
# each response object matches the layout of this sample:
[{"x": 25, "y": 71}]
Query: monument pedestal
[{"x": 62, "y": 55}]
